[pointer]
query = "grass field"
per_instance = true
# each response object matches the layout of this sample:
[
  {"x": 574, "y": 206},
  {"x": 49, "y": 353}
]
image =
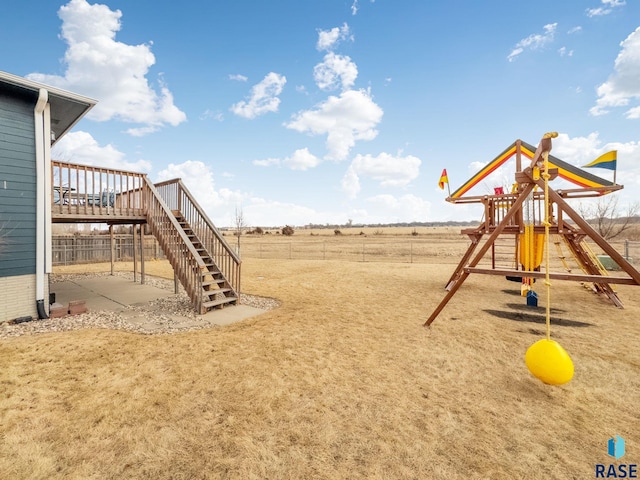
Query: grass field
[{"x": 340, "y": 382}]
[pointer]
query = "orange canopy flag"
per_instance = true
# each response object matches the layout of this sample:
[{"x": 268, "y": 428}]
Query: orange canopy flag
[{"x": 443, "y": 179}]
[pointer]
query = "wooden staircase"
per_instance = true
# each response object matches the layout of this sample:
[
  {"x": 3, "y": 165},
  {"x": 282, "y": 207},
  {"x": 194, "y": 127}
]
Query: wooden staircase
[
  {"x": 217, "y": 290},
  {"x": 203, "y": 261}
]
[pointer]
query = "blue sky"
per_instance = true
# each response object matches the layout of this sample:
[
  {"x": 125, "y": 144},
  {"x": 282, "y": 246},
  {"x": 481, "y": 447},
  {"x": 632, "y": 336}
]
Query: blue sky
[{"x": 321, "y": 111}]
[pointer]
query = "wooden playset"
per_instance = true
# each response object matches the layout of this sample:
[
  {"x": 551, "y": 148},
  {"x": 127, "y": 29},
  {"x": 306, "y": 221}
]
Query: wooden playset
[{"x": 523, "y": 219}]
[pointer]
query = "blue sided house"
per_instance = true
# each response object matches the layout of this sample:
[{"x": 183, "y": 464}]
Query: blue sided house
[{"x": 32, "y": 118}]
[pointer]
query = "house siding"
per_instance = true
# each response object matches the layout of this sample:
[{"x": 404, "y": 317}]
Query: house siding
[{"x": 17, "y": 188}]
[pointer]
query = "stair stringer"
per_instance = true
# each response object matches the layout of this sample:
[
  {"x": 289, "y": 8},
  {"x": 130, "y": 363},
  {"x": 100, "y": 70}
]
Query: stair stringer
[{"x": 214, "y": 282}]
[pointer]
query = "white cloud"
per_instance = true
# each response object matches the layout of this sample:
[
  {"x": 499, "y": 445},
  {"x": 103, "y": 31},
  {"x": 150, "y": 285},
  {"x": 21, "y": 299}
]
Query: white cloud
[
  {"x": 502, "y": 176},
  {"x": 112, "y": 72},
  {"x": 335, "y": 71},
  {"x": 622, "y": 85},
  {"x": 81, "y": 147},
  {"x": 272, "y": 213},
  {"x": 534, "y": 41},
  {"x": 351, "y": 183},
  {"x": 633, "y": 113},
  {"x": 264, "y": 97},
  {"x": 198, "y": 178},
  {"x": 355, "y": 7},
  {"x": 141, "y": 131},
  {"x": 564, "y": 52},
  {"x": 328, "y": 39},
  {"x": 386, "y": 169},
  {"x": 406, "y": 208},
  {"x": 215, "y": 115},
  {"x": 238, "y": 77},
  {"x": 574, "y": 30},
  {"x": 606, "y": 9},
  {"x": 302, "y": 159},
  {"x": 345, "y": 119},
  {"x": 577, "y": 150},
  {"x": 268, "y": 162}
]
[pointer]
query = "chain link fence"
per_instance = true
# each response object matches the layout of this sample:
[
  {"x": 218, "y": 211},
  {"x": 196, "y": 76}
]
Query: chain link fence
[{"x": 77, "y": 249}]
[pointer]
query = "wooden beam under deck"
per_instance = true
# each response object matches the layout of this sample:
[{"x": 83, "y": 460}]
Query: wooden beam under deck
[{"x": 138, "y": 217}]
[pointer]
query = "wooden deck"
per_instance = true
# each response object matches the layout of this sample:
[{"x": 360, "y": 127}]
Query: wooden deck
[{"x": 203, "y": 261}]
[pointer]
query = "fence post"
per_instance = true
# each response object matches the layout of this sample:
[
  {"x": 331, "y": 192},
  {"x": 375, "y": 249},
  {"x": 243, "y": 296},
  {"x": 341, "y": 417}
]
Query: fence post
[{"x": 626, "y": 250}]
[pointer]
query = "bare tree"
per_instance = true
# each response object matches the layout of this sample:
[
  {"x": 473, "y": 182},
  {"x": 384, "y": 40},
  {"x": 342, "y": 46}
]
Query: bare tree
[
  {"x": 240, "y": 224},
  {"x": 4, "y": 234},
  {"x": 607, "y": 217},
  {"x": 2, "y": 239}
]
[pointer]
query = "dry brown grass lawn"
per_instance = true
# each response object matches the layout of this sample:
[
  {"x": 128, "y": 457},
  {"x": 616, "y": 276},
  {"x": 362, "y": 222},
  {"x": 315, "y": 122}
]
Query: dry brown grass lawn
[{"x": 341, "y": 381}]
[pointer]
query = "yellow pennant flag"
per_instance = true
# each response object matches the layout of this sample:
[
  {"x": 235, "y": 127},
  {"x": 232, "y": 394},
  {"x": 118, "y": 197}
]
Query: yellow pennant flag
[{"x": 443, "y": 179}]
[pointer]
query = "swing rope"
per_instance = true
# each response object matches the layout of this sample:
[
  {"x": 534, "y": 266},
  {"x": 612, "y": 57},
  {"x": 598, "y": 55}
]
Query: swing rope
[
  {"x": 547, "y": 224},
  {"x": 546, "y": 359}
]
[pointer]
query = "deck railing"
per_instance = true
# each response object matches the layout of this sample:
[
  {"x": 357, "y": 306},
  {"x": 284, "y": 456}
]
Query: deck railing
[
  {"x": 93, "y": 192},
  {"x": 177, "y": 197}
]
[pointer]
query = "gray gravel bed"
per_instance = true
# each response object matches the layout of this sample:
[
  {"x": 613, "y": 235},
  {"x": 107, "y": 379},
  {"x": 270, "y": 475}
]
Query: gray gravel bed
[{"x": 157, "y": 314}]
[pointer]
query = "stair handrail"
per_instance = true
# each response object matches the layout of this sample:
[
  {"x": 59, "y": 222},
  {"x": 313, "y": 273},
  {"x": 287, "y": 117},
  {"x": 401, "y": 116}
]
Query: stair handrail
[
  {"x": 191, "y": 280},
  {"x": 230, "y": 269},
  {"x": 209, "y": 223}
]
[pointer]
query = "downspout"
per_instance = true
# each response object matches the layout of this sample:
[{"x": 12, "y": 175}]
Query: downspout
[{"x": 42, "y": 137}]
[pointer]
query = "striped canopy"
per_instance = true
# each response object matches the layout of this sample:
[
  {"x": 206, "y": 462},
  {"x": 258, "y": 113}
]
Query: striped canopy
[{"x": 573, "y": 174}]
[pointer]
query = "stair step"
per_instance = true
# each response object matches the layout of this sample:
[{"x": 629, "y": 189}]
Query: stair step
[
  {"x": 217, "y": 291},
  {"x": 213, "y": 282},
  {"x": 212, "y": 272},
  {"x": 220, "y": 301}
]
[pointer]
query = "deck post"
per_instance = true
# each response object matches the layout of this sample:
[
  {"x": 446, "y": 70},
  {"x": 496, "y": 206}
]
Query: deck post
[
  {"x": 141, "y": 254},
  {"x": 135, "y": 257},
  {"x": 112, "y": 241}
]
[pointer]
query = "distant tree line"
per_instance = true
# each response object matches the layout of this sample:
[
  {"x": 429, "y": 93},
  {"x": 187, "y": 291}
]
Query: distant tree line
[{"x": 449, "y": 223}]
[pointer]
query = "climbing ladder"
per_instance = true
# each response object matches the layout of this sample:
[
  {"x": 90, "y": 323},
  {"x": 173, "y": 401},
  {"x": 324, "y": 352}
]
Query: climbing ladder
[
  {"x": 504, "y": 252},
  {"x": 558, "y": 243},
  {"x": 589, "y": 263}
]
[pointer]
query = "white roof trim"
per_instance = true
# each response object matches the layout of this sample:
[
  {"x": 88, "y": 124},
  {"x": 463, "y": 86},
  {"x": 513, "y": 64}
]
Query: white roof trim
[{"x": 36, "y": 86}]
